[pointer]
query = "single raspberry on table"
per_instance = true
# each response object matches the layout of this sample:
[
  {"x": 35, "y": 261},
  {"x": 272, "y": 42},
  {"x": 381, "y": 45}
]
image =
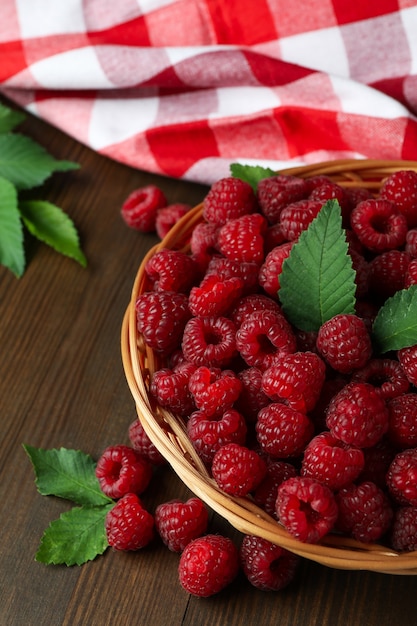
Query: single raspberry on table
[
  {"x": 215, "y": 296},
  {"x": 283, "y": 432},
  {"x": 237, "y": 469},
  {"x": 179, "y": 522},
  {"x": 401, "y": 189},
  {"x": 386, "y": 375},
  {"x": 143, "y": 445},
  {"x": 295, "y": 379},
  {"x": 209, "y": 341},
  {"x": 306, "y": 508},
  {"x": 331, "y": 462},
  {"x": 388, "y": 273},
  {"x": 365, "y": 512},
  {"x": 228, "y": 199},
  {"x": 297, "y": 216},
  {"x": 404, "y": 529},
  {"x": 408, "y": 360},
  {"x": 141, "y": 207},
  {"x": 121, "y": 470},
  {"x": 344, "y": 342},
  {"x": 161, "y": 317},
  {"x": 402, "y": 420},
  {"x": 251, "y": 398},
  {"x": 214, "y": 390},
  {"x": 275, "y": 192},
  {"x": 272, "y": 267},
  {"x": 266, "y": 565},
  {"x": 171, "y": 390},
  {"x": 128, "y": 525},
  {"x": 402, "y": 477},
  {"x": 250, "y": 304},
  {"x": 171, "y": 270},
  {"x": 379, "y": 225},
  {"x": 242, "y": 239},
  {"x": 209, "y": 434},
  {"x": 357, "y": 415},
  {"x": 168, "y": 216},
  {"x": 208, "y": 564},
  {"x": 265, "y": 494}
]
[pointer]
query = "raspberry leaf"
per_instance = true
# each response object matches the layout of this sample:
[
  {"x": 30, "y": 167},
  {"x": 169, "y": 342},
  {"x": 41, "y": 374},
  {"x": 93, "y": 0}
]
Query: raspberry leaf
[
  {"x": 395, "y": 326},
  {"x": 9, "y": 118},
  {"x": 251, "y": 174},
  {"x": 12, "y": 254},
  {"x": 78, "y": 536},
  {"x": 317, "y": 280},
  {"x": 51, "y": 225},
  {"x": 68, "y": 474}
]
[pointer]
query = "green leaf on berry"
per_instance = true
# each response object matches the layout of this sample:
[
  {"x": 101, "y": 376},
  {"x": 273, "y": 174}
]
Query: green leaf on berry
[
  {"x": 12, "y": 254},
  {"x": 51, "y": 225},
  {"x": 67, "y": 474},
  {"x": 25, "y": 163},
  {"x": 9, "y": 118},
  {"x": 251, "y": 174},
  {"x": 317, "y": 280},
  {"x": 395, "y": 326},
  {"x": 78, "y": 536}
]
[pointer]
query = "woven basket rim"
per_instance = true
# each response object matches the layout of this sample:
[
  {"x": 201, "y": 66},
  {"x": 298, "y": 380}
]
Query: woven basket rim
[{"x": 169, "y": 434}]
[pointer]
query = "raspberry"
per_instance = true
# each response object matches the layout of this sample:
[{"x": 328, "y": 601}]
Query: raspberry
[
  {"x": 411, "y": 276},
  {"x": 401, "y": 189},
  {"x": 388, "y": 273},
  {"x": 251, "y": 398},
  {"x": 128, "y": 525},
  {"x": 404, "y": 529},
  {"x": 143, "y": 445},
  {"x": 273, "y": 237},
  {"x": 237, "y": 469},
  {"x": 377, "y": 461},
  {"x": 263, "y": 336},
  {"x": 357, "y": 194},
  {"x": 331, "y": 387},
  {"x": 386, "y": 375},
  {"x": 275, "y": 192},
  {"x": 297, "y": 216},
  {"x": 402, "y": 429},
  {"x": 266, "y": 565},
  {"x": 242, "y": 239},
  {"x": 140, "y": 208},
  {"x": 296, "y": 379},
  {"x": 408, "y": 360},
  {"x": 306, "y": 508},
  {"x": 203, "y": 243},
  {"x": 306, "y": 340},
  {"x": 228, "y": 199},
  {"x": 357, "y": 415},
  {"x": 208, "y": 565},
  {"x": 214, "y": 390},
  {"x": 272, "y": 268},
  {"x": 361, "y": 267},
  {"x": 214, "y": 296},
  {"x": 282, "y": 431},
  {"x": 168, "y": 216},
  {"x": 120, "y": 470},
  {"x": 402, "y": 477},
  {"x": 161, "y": 318},
  {"x": 250, "y": 304},
  {"x": 179, "y": 522},
  {"x": 209, "y": 435},
  {"x": 170, "y": 388},
  {"x": 411, "y": 242},
  {"x": 209, "y": 341},
  {"x": 171, "y": 270},
  {"x": 330, "y": 190},
  {"x": 344, "y": 342},
  {"x": 331, "y": 462},
  {"x": 265, "y": 494},
  {"x": 379, "y": 225},
  {"x": 365, "y": 512},
  {"x": 226, "y": 268}
]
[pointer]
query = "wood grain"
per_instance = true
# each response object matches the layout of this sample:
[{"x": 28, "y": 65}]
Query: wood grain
[{"x": 62, "y": 384}]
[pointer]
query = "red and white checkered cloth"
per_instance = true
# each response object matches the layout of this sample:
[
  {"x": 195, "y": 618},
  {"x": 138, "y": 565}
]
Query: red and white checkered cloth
[{"x": 184, "y": 87}]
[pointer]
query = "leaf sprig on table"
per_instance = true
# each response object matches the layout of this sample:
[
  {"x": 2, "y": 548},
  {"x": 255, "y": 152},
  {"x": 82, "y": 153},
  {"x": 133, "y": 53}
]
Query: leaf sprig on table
[{"x": 25, "y": 165}]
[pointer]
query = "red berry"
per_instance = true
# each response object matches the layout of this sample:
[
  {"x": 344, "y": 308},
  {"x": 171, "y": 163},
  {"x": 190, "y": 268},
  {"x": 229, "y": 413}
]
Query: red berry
[
  {"x": 404, "y": 529},
  {"x": 402, "y": 477},
  {"x": 283, "y": 432},
  {"x": 411, "y": 276},
  {"x": 377, "y": 461},
  {"x": 297, "y": 216},
  {"x": 237, "y": 469},
  {"x": 379, "y": 225},
  {"x": 250, "y": 304},
  {"x": 330, "y": 190},
  {"x": 388, "y": 273},
  {"x": 251, "y": 398},
  {"x": 214, "y": 296},
  {"x": 121, "y": 470},
  {"x": 344, "y": 342},
  {"x": 365, "y": 512},
  {"x": 408, "y": 360},
  {"x": 386, "y": 375},
  {"x": 209, "y": 341},
  {"x": 209, "y": 435},
  {"x": 266, "y": 565},
  {"x": 275, "y": 192},
  {"x": 306, "y": 508},
  {"x": 411, "y": 242},
  {"x": 179, "y": 522},
  {"x": 128, "y": 525},
  {"x": 401, "y": 189},
  {"x": 168, "y": 216},
  {"x": 242, "y": 239},
  {"x": 143, "y": 445},
  {"x": 228, "y": 199},
  {"x": 265, "y": 494},
  {"x": 214, "y": 390},
  {"x": 226, "y": 268},
  {"x": 171, "y": 390},
  {"x": 203, "y": 243},
  {"x": 402, "y": 429},
  {"x": 161, "y": 318},
  {"x": 140, "y": 208},
  {"x": 171, "y": 270},
  {"x": 272, "y": 267},
  {"x": 208, "y": 564}
]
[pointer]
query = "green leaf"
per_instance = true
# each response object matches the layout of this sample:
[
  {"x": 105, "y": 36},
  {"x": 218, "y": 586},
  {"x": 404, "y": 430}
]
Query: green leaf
[
  {"x": 76, "y": 537},
  {"x": 27, "y": 164},
  {"x": 51, "y": 225},
  {"x": 317, "y": 280},
  {"x": 67, "y": 474},
  {"x": 12, "y": 253},
  {"x": 251, "y": 174},
  {"x": 395, "y": 326},
  {"x": 9, "y": 118}
]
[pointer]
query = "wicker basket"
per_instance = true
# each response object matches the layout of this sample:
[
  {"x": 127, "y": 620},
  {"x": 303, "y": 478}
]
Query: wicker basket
[{"x": 169, "y": 434}]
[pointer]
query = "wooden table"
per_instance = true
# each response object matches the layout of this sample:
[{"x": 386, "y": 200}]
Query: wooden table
[{"x": 62, "y": 384}]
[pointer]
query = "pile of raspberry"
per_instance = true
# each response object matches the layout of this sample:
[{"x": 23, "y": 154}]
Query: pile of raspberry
[{"x": 316, "y": 428}]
